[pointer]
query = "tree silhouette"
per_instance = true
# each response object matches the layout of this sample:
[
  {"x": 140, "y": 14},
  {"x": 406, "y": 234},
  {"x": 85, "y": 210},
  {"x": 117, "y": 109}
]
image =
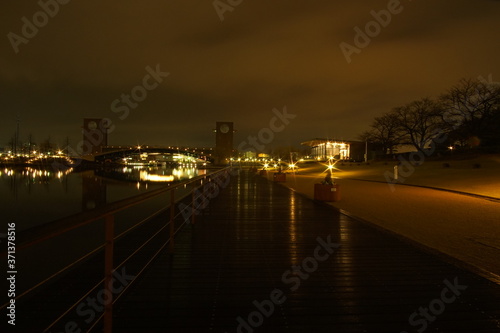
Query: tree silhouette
[
  {"x": 472, "y": 110},
  {"x": 419, "y": 121}
]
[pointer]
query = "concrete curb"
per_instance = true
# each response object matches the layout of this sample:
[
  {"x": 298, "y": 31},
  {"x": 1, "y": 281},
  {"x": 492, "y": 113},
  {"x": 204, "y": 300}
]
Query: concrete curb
[
  {"x": 479, "y": 196},
  {"x": 432, "y": 251}
]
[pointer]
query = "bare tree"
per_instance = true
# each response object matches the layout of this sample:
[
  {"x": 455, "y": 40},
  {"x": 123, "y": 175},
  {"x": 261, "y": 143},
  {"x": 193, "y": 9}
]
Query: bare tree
[
  {"x": 472, "y": 109},
  {"x": 385, "y": 132},
  {"x": 420, "y": 121}
]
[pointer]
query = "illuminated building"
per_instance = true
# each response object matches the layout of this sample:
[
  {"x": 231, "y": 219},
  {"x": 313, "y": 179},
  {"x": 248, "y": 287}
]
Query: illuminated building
[{"x": 325, "y": 149}]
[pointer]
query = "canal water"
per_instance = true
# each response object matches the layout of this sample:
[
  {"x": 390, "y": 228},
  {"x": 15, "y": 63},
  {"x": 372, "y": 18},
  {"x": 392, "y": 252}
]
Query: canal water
[{"x": 31, "y": 197}]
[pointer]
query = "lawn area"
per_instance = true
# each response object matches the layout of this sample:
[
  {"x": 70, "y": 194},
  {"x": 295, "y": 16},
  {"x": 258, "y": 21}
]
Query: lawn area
[{"x": 479, "y": 175}]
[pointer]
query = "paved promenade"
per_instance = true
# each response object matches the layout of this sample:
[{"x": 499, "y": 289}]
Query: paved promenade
[
  {"x": 463, "y": 227},
  {"x": 264, "y": 258}
]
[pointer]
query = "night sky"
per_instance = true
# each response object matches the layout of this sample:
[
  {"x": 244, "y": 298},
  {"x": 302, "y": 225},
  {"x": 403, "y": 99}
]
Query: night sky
[{"x": 263, "y": 55}]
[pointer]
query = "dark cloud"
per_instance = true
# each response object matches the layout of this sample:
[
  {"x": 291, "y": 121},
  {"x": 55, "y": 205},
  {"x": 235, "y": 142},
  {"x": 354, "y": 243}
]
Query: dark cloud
[{"x": 264, "y": 55}]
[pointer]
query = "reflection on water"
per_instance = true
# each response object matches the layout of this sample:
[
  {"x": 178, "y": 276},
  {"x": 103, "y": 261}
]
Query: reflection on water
[
  {"x": 31, "y": 196},
  {"x": 151, "y": 174},
  {"x": 30, "y": 175}
]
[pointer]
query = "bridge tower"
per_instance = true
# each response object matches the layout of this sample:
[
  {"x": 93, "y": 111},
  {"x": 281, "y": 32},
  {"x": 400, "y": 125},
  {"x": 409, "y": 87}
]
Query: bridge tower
[
  {"x": 223, "y": 142},
  {"x": 95, "y": 135}
]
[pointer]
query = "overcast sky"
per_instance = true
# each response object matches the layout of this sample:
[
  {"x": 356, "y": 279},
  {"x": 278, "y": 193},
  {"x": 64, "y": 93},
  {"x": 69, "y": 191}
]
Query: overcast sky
[{"x": 263, "y": 55}]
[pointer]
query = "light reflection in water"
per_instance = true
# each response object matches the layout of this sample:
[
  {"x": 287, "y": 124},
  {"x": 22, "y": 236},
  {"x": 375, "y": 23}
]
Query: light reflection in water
[
  {"x": 33, "y": 196},
  {"x": 145, "y": 176},
  {"x": 34, "y": 174},
  {"x": 161, "y": 175}
]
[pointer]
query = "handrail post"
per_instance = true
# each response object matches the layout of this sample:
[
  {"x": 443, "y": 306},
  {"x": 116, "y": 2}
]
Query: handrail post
[
  {"x": 172, "y": 217},
  {"x": 108, "y": 273}
]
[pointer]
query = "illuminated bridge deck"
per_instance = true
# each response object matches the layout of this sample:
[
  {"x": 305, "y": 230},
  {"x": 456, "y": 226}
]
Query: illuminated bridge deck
[{"x": 238, "y": 258}]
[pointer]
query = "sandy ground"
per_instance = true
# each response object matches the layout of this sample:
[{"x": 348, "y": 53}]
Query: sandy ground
[{"x": 463, "y": 227}]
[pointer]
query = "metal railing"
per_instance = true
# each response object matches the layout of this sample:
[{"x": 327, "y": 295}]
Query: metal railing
[{"x": 36, "y": 236}]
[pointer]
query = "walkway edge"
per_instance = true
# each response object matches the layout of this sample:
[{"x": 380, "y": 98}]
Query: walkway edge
[
  {"x": 479, "y": 196},
  {"x": 441, "y": 255}
]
